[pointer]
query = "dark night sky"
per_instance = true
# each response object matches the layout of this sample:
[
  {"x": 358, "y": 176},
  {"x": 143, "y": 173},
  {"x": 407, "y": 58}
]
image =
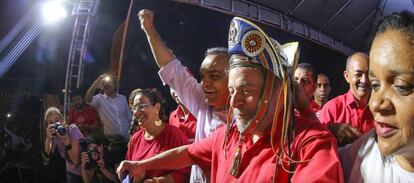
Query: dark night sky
[{"x": 187, "y": 30}]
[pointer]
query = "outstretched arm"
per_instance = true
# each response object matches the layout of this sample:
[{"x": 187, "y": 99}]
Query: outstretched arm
[
  {"x": 162, "y": 54},
  {"x": 172, "y": 159}
]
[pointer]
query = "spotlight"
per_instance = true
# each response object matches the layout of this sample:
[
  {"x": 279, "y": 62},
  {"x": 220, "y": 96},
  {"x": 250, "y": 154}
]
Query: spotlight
[
  {"x": 53, "y": 11},
  {"x": 107, "y": 78},
  {"x": 8, "y": 115}
]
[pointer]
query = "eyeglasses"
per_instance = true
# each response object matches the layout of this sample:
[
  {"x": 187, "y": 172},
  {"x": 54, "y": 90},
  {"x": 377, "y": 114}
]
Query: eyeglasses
[{"x": 140, "y": 107}]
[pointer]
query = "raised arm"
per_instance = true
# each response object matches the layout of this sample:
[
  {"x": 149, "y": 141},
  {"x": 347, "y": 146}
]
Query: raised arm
[
  {"x": 95, "y": 85},
  {"x": 172, "y": 159},
  {"x": 162, "y": 54}
]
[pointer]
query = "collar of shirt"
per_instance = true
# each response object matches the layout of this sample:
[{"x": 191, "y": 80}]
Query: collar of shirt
[
  {"x": 350, "y": 100},
  {"x": 108, "y": 97}
]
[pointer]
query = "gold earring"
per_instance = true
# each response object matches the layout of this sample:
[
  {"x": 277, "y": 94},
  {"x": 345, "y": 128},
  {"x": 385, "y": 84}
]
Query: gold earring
[{"x": 158, "y": 121}]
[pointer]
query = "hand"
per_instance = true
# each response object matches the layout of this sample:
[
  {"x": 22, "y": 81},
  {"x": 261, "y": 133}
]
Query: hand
[
  {"x": 99, "y": 82},
  {"x": 50, "y": 131},
  {"x": 150, "y": 181},
  {"x": 84, "y": 159},
  {"x": 101, "y": 163},
  {"x": 344, "y": 133},
  {"x": 133, "y": 168},
  {"x": 301, "y": 101},
  {"x": 146, "y": 19}
]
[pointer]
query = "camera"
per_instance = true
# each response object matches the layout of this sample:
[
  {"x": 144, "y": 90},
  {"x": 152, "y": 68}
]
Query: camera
[
  {"x": 60, "y": 128},
  {"x": 93, "y": 158}
]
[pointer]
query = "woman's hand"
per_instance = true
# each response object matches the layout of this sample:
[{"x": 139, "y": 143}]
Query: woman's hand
[
  {"x": 101, "y": 163},
  {"x": 50, "y": 131},
  {"x": 84, "y": 159}
]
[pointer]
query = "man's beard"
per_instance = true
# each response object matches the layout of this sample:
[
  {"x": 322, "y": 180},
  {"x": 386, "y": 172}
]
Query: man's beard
[{"x": 242, "y": 126}]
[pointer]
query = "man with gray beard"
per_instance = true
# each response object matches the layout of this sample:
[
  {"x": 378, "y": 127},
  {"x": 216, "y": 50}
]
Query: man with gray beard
[{"x": 258, "y": 143}]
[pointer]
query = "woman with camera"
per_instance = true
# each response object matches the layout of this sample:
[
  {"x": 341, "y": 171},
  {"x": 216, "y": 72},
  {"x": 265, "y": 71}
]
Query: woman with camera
[
  {"x": 153, "y": 137},
  {"x": 66, "y": 140},
  {"x": 96, "y": 168}
]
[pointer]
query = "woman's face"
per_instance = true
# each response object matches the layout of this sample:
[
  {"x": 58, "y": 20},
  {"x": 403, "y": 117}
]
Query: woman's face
[
  {"x": 144, "y": 111},
  {"x": 392, "y": 99},
  {"x": 53, "y": 118}
]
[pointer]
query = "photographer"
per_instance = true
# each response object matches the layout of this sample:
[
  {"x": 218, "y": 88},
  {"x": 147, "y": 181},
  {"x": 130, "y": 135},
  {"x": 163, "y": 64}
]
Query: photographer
[
  {"x": 66, "y": 139},
  {"x": 95, "y": 167}
]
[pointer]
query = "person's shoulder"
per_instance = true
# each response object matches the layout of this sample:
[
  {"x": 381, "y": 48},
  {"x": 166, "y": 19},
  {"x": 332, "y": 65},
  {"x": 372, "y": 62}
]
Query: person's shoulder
[
  {"x": 172, "y": 128},
  {"x": 118, "y": 95},
  {"x": 174, "y": 131},
  {"x": 137, "y": 135},
  {"x": 337, "y": 101},
  {"x": 308, "y": 128},
  {"x": 99, "y": 95}
]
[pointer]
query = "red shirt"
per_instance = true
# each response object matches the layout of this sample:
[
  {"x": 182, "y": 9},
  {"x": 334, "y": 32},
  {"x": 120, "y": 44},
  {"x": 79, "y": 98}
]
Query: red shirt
[
  {"x": 314, "y": 106},
  {"x": 186, "y": 125},
  {"x": 139, "y": 149},
  {"x": 345, "y": 109},
  {"x": 87, "y": 116},
  {"x": 313, "y": 141}
]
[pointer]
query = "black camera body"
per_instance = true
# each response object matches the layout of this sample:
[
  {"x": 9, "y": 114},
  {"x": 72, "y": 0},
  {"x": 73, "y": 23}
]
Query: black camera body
[
  {"x": 93, "y": 158},
  {"x": 60, "y": 128}
]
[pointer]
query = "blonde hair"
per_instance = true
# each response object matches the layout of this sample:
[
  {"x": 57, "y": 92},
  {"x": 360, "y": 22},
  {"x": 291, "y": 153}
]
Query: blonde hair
[{"x": 52, "y": 110}]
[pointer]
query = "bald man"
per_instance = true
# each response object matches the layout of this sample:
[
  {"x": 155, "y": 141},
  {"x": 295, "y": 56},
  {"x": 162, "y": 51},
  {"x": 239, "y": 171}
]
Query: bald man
[{"x": 348, "y": 115}]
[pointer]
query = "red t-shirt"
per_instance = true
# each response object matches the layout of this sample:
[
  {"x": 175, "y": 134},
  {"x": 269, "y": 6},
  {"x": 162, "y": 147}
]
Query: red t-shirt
[
  {"x": 139, "y": 149},
  {"x": 313, "y": 141},
  {"x": 345, "y": 109},
  {"x": 186, "y": 125},
  {"x": 87, "y": 116},
  {"x": 314, "y": 106}
]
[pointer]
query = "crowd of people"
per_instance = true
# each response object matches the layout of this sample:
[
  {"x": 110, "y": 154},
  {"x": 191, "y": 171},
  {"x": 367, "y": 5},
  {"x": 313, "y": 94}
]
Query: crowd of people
[{"x": 256, "y": 116}]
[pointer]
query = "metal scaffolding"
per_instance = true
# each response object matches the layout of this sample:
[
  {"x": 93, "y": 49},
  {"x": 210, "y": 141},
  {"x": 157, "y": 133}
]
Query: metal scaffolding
[{"x": 84, "y": 11}]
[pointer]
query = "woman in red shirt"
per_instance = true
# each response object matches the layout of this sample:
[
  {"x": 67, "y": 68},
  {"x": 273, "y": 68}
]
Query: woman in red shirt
[{"x": 154, "y": 137}]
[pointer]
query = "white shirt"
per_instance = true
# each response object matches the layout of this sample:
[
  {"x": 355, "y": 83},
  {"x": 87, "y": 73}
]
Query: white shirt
[
  {"x": 363, "y": 162},
  {"x": 114, "y": 113},
  {"x": 191, "y": 94}
]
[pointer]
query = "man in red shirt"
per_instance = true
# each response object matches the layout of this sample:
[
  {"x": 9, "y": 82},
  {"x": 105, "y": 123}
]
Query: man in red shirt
[
  {"x": 183, "y": 119},
  {"x": 321, "y": 94},
  {"x": 305, "y": 76},
  {"x": 84, "y": 116},
  {"x": 257, "y": 145},
  {"x": 348, "y": 116}
]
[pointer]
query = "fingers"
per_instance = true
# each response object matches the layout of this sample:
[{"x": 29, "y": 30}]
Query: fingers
[
  {"x": 101, "y": 162},
  {"x": 84, "y": 157},
  {"x": 347, "y": 134},
  {"x": 149, "y": 181},
  {"x": 355, "y": 131},
  {"x": 301, "y": 101},
  {"x": 120, "y": 171},
  {"x": 146, "y": 18},
  {"x": 50, "y": 131}
]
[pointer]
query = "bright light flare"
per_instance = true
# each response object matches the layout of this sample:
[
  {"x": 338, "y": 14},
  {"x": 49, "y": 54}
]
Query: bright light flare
[
  {"x": 107, "y": 78},
  {"x": 53, "y": 11},
  {"x": 8, "y": 115}
]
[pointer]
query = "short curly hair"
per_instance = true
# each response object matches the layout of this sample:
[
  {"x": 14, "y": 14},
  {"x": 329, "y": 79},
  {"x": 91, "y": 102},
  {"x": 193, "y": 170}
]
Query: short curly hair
[{"x": 402, "y": 21}]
